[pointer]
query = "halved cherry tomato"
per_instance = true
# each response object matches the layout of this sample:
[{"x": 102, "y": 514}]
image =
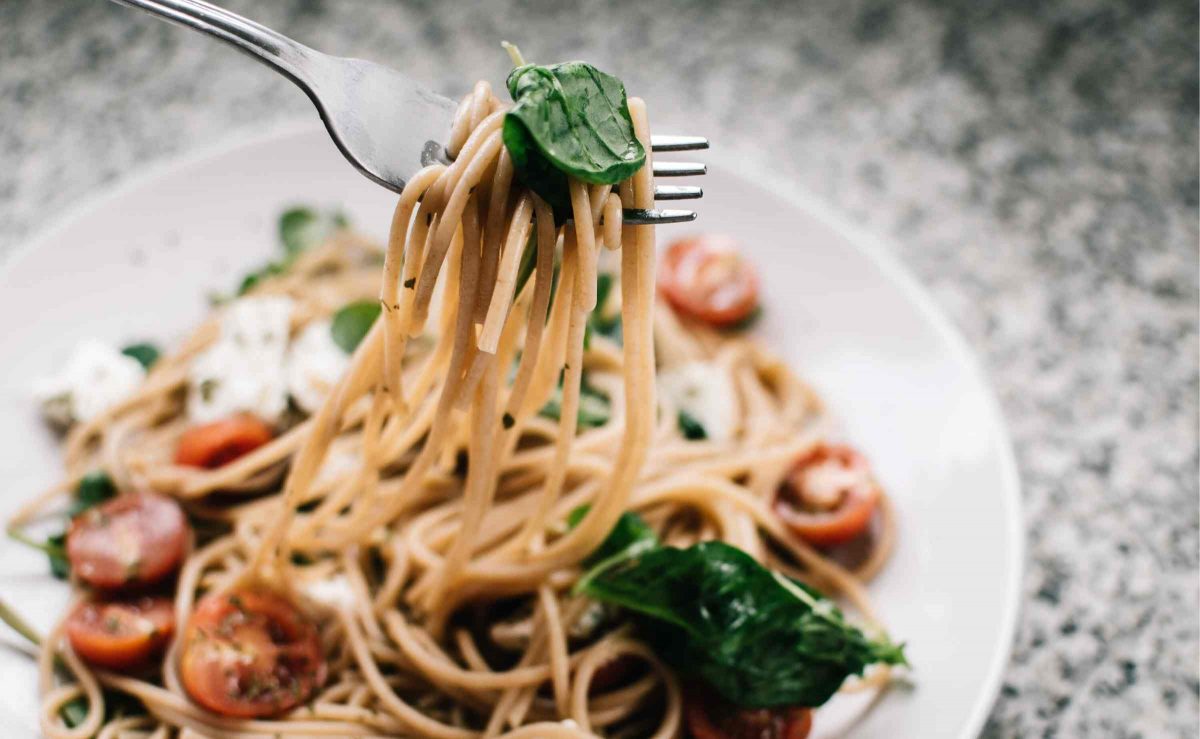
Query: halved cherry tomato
[
  {"x": 133, "y": 540},
  {"x": 706, "y": 278},
  {"x": 708, "y": 717},
  {"x": 220, "y": 442},
  {"x": 121, "y": 634},
  {"x": 250, "y": 654},
  {"x": 829, "y": 496}
]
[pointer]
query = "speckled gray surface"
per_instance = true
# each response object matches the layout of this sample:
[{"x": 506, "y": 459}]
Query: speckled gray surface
[{"x": 1034, "y": 163}]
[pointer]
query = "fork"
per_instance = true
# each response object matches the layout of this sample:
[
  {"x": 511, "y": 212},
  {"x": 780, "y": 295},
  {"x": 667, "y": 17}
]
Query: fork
[{"x": 385, "y": 124}]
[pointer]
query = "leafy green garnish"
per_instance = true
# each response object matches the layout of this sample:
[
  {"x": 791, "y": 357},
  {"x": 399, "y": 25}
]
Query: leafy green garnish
[
  {"x": 599, "y": 322},
  {"x": 352, "y": 322},
  {"x": 748, "y": 322},
  {"x": 691, "y": 428},
  {"x": 94, "y": 488},
  {"x": 757, "y": 638},
  {"x": 302, "y": 228},
  {"x": 144, "y": 352},
  {"x": 629, "y": 537},
  {"x": 54, "y": 547},
  {"x": 594, "y": 408},
  {"x": 74, "y": 712},
  {"x": 569, "y": 119}
]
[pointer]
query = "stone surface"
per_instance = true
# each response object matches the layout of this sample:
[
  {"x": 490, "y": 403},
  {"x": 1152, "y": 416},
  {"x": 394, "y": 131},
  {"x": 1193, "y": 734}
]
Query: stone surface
[{"x": 1034, "y": 163}]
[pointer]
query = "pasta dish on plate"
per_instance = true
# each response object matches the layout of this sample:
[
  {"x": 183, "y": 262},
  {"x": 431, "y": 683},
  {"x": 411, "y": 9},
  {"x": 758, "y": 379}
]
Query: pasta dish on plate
[{"x": 509, "y": 474}]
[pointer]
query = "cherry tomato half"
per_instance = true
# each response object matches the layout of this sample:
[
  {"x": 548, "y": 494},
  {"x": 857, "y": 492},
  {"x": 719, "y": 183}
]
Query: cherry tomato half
[
  {"x": 132, "y": 540},
  {"x": 250, "y": 654},
  {"x": 220, "y": 442},
  {"x": 829, "y": 496},
  {"x": 706, "y": 278},
  {"x": 121, "y": 634},
  {"x": 709, "y": 717}
]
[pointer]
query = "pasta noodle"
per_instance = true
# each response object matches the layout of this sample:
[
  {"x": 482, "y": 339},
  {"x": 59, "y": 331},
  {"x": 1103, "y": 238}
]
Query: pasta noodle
[{"x": 441, "y": 563}]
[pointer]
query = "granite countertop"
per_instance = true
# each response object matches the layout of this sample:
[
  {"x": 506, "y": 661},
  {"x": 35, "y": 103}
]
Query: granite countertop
[{"x": 1034, "y": 163}]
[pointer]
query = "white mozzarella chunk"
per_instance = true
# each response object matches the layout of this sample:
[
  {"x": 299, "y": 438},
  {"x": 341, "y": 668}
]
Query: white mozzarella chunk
[
  {"x": 244, "y": 371},
  {"x": 315, "y": 363},
  {"x": 95, "y": 377}
]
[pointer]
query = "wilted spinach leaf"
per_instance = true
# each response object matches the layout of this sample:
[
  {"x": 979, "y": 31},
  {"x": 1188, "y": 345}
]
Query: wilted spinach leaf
[
  {"x": 144, "y": 352},
  {"x": 691, "y": 428},
  {"x": 629, "y": 537},
  {"x": 352, "y": 322},
  {"x": 94, "y": 488},
  {"x": 594, "y": 408},
  {"x": 569, "y": 119},
  {"x": 302, "y": 228},
  {"x": 758, "y": 639}
]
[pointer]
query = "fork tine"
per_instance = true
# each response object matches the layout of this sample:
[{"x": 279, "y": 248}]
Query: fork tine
[
  {"x": 679, "y": 169},
  {"x": 642, "y": 217},
  {"x": 677, "y": 143},
  {"x": 677, "y": 192}
]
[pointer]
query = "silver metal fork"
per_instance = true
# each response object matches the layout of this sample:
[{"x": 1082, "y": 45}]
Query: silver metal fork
[{"x": 385, "y": 124}]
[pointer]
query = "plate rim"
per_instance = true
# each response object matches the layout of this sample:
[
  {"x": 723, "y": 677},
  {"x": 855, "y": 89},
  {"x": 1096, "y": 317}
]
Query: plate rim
[{"x": 877, "y": 249}]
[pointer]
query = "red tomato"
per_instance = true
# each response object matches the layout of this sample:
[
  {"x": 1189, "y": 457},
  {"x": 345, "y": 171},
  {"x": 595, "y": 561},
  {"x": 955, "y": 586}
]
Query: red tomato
[
  {"x": 829, "y": 496},
  {"x": 121, "y": 634},
  {"x": 706, "y": 278},
  {"x": 710, "y": 718},
  {"x": 133, "y": 540},
  {"x": 220, "y": 442},
  {"x": 250, "y": 654}
]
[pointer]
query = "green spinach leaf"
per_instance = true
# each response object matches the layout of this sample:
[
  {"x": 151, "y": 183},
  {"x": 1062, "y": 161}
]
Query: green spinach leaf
[
  {"x": 569, "y": 119},
  {"x": 94, "y": 488},
  {"x": 629, "y": 537},
  {"x": 352, "y": 322},
  {"x": 594, "y": 407},
  {"x": 757, "y": 638},
  {"x": 54, "y": 547},
  {"x": 302, "y": 228},
  {"x": 144, "y": 352},
  {"x": 691, "y": 428}
]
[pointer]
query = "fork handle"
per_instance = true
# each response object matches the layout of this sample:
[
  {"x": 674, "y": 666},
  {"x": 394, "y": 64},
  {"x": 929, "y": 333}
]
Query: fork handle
[{"x": 289, "y": 58}]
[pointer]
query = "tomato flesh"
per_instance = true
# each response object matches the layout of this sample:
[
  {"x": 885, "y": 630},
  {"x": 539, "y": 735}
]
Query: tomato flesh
[
  {"x": 250, "y": 654},
  {"x": 132, "y": 540},
  {"x": 709, "y": 717},
  {"x": 212, "y": 445},
  {"x": 829, "y": 497},
  {"x": 121, "y": 634},
  {"x": 706, "y": 278}
]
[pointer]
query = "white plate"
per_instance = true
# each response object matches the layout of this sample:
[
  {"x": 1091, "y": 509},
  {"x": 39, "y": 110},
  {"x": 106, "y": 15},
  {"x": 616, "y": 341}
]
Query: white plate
[{"x": 138, "y": 262}]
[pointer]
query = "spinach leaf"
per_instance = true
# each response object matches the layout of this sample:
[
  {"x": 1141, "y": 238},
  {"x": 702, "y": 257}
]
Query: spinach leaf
[
  {"x": 74, "y": 712},
  {"x": 758, "y": 639},
  {"x": 569, "y": 119},
  {"x": 594, "y": 408},
  {"x": 352, "y": 322},
  {"x": 54, "y": 547},
  {"x": 691, "y": 428},
  {"x": 746, "y": 323},
  {"x": 302, "y": 228},
  {"x": 94, "y": 488},
  {"x": 599, "y": 322},
  {"x": 629, "y": 537},
  {"x": 144, "y": 352}
]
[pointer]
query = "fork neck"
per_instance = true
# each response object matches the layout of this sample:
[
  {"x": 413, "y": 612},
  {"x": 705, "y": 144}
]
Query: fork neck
[{"x": 288, "y": 57}]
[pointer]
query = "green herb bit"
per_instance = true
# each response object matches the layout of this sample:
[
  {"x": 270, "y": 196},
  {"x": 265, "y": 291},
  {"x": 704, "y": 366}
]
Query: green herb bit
[
  {"x": 94, "y": 488},
  {"x": 352, "y": 322},
  {"x": 629, "y": 537},
  {"x": 594, "y": 409},
  {"x": 302, "y": 228},
  {"x": 144, "y": 352},
  {"x": 691, "y": 428},
  {"x": 54, "y": 547}
]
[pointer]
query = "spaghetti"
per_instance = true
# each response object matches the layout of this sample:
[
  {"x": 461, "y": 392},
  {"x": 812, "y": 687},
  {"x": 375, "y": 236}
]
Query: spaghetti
[{"x": 432, "y": 492}]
